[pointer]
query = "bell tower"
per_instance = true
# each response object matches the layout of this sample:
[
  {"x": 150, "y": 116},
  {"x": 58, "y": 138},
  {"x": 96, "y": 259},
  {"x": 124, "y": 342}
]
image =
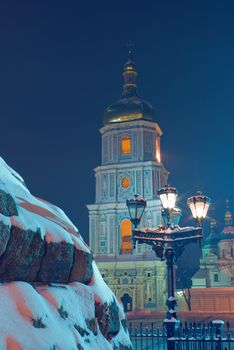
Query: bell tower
[{"x": 131, "y": 164}]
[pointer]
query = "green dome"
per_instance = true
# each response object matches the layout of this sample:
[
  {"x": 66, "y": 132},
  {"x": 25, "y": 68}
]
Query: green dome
[{"x": 130, "y": 106}]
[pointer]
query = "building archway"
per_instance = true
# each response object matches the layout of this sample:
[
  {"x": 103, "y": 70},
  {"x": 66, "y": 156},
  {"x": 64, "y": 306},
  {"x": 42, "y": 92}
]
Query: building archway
[
  {"x": 126, "y": 237},
  {"x": 127, "y": 302}
]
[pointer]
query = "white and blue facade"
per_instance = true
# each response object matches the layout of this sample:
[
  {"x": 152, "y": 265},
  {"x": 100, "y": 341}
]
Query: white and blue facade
[{"x": 145, "y": 172}]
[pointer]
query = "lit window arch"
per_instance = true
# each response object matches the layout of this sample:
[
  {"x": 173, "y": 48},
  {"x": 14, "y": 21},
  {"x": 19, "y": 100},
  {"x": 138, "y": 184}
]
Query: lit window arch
[
  {"x": 126, "y": 145},
  {"x": 126, "y": 236}
]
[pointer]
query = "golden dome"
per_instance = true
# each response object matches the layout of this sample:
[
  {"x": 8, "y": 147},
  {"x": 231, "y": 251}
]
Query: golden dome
[{"x": 130, "y": 106}]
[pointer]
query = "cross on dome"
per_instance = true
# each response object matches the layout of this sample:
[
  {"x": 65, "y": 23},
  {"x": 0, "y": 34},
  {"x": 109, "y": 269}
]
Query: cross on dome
[{"x": 130, "y": 46}]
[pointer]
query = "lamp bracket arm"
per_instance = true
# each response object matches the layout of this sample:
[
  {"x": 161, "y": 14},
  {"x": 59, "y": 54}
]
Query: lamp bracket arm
[{"x": 158, "y": 248}]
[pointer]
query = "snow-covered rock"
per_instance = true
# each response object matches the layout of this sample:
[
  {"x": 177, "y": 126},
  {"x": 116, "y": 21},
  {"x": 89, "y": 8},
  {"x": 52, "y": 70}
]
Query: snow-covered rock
[
  {"x": 52, "y": 296},
  {"x": 39, "y": 242}
]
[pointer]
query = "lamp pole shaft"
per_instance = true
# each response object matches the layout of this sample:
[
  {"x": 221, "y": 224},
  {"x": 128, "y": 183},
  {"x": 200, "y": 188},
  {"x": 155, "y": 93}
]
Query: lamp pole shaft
[
  {"x": 171, "y": 301},
  {"x": 170, "y": 322},
  {"x": 170, "y": 272}
]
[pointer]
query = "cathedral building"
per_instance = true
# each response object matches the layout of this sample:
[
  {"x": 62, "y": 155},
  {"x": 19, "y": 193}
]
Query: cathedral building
[
  {"x": 131, "y": 164},
  {"x": 217, "y": 262},
  {"x": 226, "y": 247}
]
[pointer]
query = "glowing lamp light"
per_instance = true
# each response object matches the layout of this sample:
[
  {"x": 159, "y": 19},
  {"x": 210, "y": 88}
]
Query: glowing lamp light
[
  {"x": 168, "y": 196},
  {"x": 199, "y": 206},
  {"x": 136, "y": 207}
]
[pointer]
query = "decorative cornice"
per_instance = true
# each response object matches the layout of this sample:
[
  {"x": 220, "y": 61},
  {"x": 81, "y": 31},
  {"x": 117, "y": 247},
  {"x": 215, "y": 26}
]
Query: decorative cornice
[{"x": 131, "y": 124}]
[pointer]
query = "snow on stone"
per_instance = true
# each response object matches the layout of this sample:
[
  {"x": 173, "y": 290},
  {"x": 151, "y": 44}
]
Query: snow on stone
[
  {"x": 34, "y": 212},
  {"x": 52, "y": 295},
  {"x": 30, "y": 318},
  {"x": 98, "y": 286}
]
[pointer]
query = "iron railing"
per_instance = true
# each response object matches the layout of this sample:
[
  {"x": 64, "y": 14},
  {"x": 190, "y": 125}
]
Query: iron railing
[
  {"x": 147, "y": 337},
  {"x": 189, "y": 336}
]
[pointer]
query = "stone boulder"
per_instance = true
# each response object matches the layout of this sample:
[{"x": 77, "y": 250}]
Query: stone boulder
[
  {"x": 52, "y": 294},
  {"x": 38, "y": 243},
  {"x": 7, "y": 204}
]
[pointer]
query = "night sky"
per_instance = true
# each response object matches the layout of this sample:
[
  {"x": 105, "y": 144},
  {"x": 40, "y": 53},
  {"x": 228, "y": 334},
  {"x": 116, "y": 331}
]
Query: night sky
[{"x": 61, "y": 65}]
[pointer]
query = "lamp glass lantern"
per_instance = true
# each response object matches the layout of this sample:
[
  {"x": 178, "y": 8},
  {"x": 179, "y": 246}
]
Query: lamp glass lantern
[
  {"x": 176, "y": 216},
  {"x": 199, "y": 206},
  {"x": 168, "y": 197},
  {"x": 136, "y": 207}
]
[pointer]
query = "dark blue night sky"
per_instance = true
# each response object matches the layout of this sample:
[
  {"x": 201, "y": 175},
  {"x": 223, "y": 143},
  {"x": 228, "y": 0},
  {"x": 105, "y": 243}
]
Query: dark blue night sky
[{"x": 61, "y": 65}]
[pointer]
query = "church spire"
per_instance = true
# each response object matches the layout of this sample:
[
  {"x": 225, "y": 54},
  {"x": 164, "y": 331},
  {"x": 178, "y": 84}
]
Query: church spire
[
  {"x": 130, "y": 106},
  {"x": 211, "y": 242},
  {"x": 130, "y": 46},
  {"x": 213, "y": 222},
  {"x": 228, "y": 215},
  {"x": 129, "y": 74}
]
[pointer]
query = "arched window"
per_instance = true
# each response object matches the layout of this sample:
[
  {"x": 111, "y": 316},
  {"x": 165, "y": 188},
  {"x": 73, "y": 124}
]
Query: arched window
[
  {"x": 126, "y": 237},
  {"x": 126, "y": 145}
]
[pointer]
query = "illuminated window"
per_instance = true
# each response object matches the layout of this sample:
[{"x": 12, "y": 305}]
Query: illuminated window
[
  {"x": 126, "y": 237},
  {"x": 157, "y": 150},
  {"x": 126, "y": 145}
]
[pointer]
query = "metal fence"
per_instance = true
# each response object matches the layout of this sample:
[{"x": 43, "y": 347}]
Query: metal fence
[
  {"x": 189, "y": 336},
  {"x": 147, "y": 337}
]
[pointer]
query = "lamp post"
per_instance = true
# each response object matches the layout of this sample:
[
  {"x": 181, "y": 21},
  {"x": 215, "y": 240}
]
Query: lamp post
[{"x": 168, "y": 241}]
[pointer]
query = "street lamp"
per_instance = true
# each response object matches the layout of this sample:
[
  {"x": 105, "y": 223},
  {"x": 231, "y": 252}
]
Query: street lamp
[
  {"x": 136, "y": 207},
  {"x": 168, "y": 241},
  {"x": 168, "y": 197},
  {"x": 199, "y": 206}
]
